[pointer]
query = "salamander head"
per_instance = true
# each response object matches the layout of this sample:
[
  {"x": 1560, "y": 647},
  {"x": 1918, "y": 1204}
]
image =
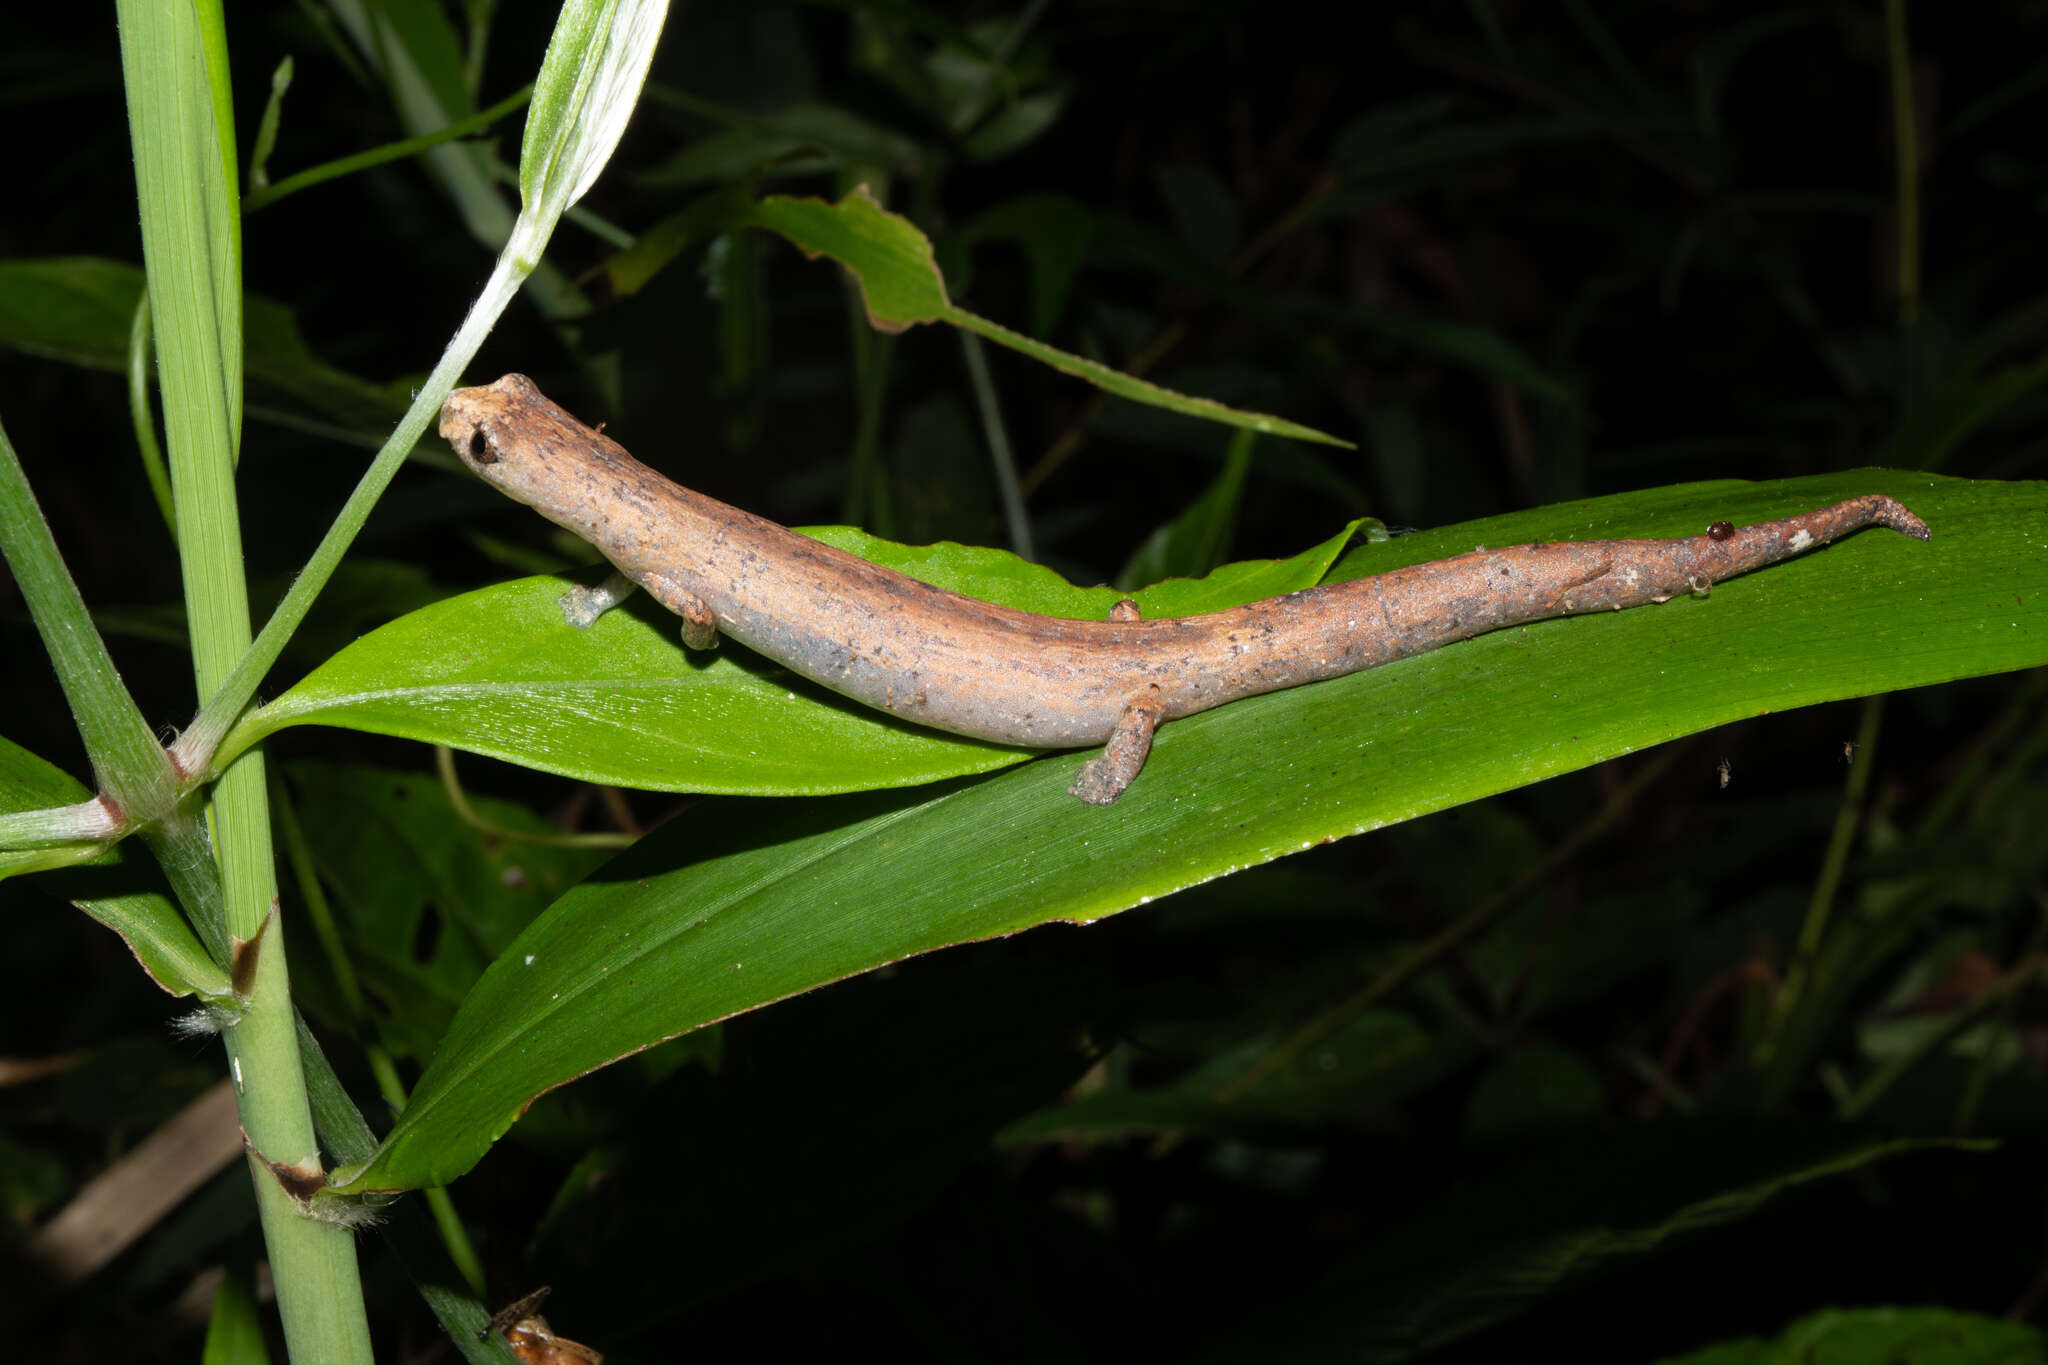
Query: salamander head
[
  {"x": 478, "y": 422},
  {"x": 520, "y": 442}
]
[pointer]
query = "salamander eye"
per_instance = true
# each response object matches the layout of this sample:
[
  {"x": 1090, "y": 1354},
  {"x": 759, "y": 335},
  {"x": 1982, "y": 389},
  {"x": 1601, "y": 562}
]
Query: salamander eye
[
  {"x": 1721, "y": 530},
  {"x": 480, "y": 449}
]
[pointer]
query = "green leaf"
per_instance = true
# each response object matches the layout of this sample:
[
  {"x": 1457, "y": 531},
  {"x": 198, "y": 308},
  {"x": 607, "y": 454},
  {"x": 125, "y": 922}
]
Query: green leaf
[
  {"x": 74, "y": 309},
  {"x": 1530, "y": 1090},
  {"x": 1369, "y": 1066},
  {"x": 234, "y": 1332},
  {"x": 78, "y": 310},
  {"x": 126, "y": 759},
  {"x": 146, "y": 921},
  {"x": 630, "y": 271},
  {"x": 844, "y": 139},
  {"x": 1193, "y": 542},
  {"x": 901, "y": 286},
  {"x": 1929, "y": 437},
  {"x": 1883, "y": 1336},
  {"x": 499, "y": 672},
  {"x": 1203, "y": 209},
  {"x": 1014, "y": 126},
  {"x": 847, "y": 1113},
  {"x": 1608, "y": 1196},
  {"x": 589, "y": 81},
  {"x": 424, "y": 904},
  {"x": 403, "y": 1227},
  {"x": 887, "y": 256},
  {"x": 734, "y": 907}
]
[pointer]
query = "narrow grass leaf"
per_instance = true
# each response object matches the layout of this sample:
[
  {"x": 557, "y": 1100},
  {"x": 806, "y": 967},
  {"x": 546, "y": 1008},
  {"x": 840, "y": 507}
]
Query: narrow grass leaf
[{"x": 125, "y": 756}]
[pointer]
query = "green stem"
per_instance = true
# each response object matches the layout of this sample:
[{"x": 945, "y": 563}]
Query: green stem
[
  {"x": 1905, "y": 157},
  {"x": 143, "y": 419},
  {"x": 454, "y": 1237},
  {"x": 390, "y": 151},
  {"x": 985, "y": 400},
  {"x": 1820, "y": 905},
  {"x": 174, "y": 68},
  {"x": 195, "y": 748}
]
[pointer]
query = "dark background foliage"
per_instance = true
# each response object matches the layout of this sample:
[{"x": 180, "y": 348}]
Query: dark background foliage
[{"x": 1518, "y": 254}]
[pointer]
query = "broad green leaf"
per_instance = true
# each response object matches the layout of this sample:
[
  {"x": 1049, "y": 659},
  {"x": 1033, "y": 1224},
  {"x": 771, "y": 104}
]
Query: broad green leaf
[
  {"x": 1884, "y": 1336},
  {"x": 145, "y": 919},
  {"x": 1610, "y": 1196},
  {"x": 901, "y": 286},
  {"x": 733, "y": 907},
  {"x": 499, "y": 672},
  {"x": 424, "y": 904},
  {"x": 74, "y": 309},
  {"x": 77, "y": 309},
  {"x": 886, "y": 254}
]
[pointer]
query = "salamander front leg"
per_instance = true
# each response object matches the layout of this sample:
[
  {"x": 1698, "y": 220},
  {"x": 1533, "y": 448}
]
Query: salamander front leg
[
  {"x": 700, "y": 627},
  {"x": 1102, "y": 779},
  {"x": 582, "y": 606}
]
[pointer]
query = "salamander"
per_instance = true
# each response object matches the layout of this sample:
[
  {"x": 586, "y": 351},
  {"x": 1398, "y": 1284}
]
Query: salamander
[{"x": 1015, "y": 677}]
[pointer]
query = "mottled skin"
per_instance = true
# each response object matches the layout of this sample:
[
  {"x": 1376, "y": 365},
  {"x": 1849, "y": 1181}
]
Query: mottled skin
[{"x": 996, "y": 673}]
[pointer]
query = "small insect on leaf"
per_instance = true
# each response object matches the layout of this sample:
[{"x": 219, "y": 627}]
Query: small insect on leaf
[{"x": 533, "y": 1341}]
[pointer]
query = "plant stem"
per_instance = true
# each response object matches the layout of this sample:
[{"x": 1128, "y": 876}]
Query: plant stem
[
  {"x": 1820, "y": 905},
  {"x": 1905, "y": 157},
  {"x": 174, "y": 67}
]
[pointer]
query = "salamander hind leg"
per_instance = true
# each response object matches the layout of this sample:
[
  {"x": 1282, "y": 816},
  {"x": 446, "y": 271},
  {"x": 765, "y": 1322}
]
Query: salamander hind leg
[
  {"x": 1102, "y": 779},
  {"x": 700, "y": 627}
]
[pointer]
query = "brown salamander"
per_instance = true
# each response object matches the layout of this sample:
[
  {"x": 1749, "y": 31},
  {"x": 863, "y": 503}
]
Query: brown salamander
[{"x": 1015, "y": 677}]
